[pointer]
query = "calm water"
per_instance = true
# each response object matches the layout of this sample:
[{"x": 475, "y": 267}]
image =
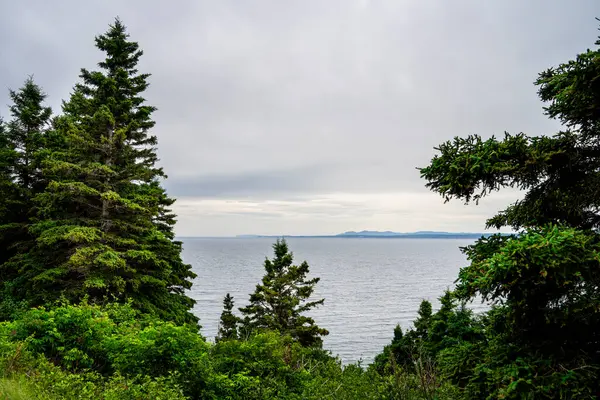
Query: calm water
[{"x": 369, "y": 285}]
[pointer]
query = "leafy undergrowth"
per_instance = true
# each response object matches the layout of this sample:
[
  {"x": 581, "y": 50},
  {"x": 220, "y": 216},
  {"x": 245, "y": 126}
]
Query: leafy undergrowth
[{"x": 92, "y": 352}]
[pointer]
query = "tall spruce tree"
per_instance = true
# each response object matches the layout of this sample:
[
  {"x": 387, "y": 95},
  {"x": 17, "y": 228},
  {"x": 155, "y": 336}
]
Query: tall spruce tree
[
  {"x": 8, "y": 197},
  {"x": 280, "y": 302},
  {"x": 24, "y": 144},
  {"x": 7, "y": 189},
  {"x": 104, "y": 229},
  {"x": 228, "y": 325},
  {"x": 27, "y": 132}
]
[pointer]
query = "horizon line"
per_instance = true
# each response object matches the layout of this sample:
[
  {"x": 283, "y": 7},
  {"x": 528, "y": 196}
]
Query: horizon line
[{"x": 348, "y": 234}]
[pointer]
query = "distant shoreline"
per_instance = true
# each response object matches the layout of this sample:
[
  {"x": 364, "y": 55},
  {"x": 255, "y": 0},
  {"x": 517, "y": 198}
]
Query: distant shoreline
[{"x": 358, "y": 236}]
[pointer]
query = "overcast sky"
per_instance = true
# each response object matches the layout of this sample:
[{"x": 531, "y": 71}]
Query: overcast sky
[{"x": 310, "y": 117}]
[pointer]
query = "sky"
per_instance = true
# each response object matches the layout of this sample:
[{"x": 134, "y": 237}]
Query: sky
[{"x": 307, "y": 117}]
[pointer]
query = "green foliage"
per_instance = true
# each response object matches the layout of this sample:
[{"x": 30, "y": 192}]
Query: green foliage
[
  {"x": 24, "y": 143},
  {"x": 114, "y": 352},
  {"x": 47, "y": 382},
  {"x": 16, "y": 390},
  {"x": 103, "y": 228},
  {"x": 26, "y": 131},
  {"x": 7, "y": 155},
  {"x": 399, "y": 353},
  {"x": 560, "y": 173},
  {"x": 423, "y": 320},
  {"x": 496, "y": 365},
  {"x": 453, "y": 324},
  {"x": 405, "y": 349},
  {"x": 541, "y": 340},
  {"x": 280, "y": 302},
  {"x": 353, "y": 382},
  {"x": 265, "y": 366},
  {"x": 228, "y": 325},
  {"x": 548, "y": 277},
  {"x": 113, "y": 341},
  {"x": 65, "y": 353}
]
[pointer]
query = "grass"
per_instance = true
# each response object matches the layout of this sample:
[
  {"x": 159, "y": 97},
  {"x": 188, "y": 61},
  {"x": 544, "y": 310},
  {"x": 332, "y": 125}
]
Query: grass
[{"x": 16, "y": 389}]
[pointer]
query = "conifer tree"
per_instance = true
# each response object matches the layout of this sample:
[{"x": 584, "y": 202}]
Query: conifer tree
[
  {"x": 399, "y": 353},
  {"x": 229, "y": 322},
  {"x": 104, "y": 229},
  {"x": 410, "y": 347},
  {"x": 6, "y": 161},
  {"x": 8, "y": 192},
  {"x": 281, "y": 301},
  {"x": 546, "y": 290},
  {"x": 24, "y": 143},
  {"x": 544, "y": 279},
  {"x": 423, "y": 320},
  {"x": 26, "y": 131}
]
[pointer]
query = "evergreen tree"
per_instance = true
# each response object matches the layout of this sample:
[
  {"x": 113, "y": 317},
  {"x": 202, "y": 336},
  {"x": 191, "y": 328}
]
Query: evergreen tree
[
  {"x": 27, "y": 129},
  {"x": 279, "y": 303},
  {"x": 452, "y": 324},
  {"x": 560, "y": 174},
  {"x": 406, "y": 349},
  {"x": 399, "y": 353},
  {"x": 544, "y": 279},
  {"x": 9, "y": 195},
  {"x": 423, "y": 320},
  {"x": 7, "y": 187},
  {"x": 104, "y": 229},
  {"x": 26, "y": 136},
  {"x": 24, "y": 145},
  {"x": 229, "y": 322}
]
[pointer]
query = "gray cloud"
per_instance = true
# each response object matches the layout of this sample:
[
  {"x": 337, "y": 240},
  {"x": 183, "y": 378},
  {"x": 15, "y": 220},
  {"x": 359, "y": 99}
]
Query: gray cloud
[
  {"x": 308, "y": 180},
  {"x": 295, "y": 101}
]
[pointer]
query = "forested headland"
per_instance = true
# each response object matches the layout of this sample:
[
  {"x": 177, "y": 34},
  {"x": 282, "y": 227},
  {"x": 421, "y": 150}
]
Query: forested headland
[{"x": 94, "y": 293}]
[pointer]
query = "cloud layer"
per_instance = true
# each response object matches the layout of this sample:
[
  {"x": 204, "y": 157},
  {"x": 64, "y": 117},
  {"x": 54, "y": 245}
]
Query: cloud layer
[{"x": 305, "y": 117}]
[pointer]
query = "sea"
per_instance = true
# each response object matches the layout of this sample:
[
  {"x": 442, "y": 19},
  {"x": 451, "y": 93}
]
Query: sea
[{"x": 369, "y": 284}]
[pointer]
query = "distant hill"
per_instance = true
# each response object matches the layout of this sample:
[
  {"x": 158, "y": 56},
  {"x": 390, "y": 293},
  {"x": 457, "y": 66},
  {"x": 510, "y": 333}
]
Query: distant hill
[
  {"x": 418, "y": 234},
  {"x": 368, "y": 233},
  {"x": 384, "y": 234}
]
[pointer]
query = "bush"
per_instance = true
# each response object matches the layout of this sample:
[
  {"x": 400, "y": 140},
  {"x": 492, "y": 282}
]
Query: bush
[{"x": 112, "y": 352}]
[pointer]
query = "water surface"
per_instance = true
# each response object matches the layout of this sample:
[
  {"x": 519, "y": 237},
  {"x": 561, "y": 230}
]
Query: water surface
[{"x": 369, "y": 285}]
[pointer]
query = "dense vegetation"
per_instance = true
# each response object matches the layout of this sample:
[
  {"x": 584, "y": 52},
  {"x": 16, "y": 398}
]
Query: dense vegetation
[
  {"x": 93, "y": 288},
  {"x": 541, "y": 337}
]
